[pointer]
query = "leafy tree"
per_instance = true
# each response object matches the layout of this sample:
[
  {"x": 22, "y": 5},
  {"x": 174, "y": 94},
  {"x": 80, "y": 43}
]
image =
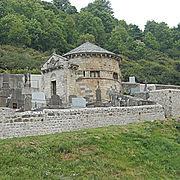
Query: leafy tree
[
  {"x": 88, "y": 24},
  {"x": 13, "y": 31},
  {"x": 50, "y": 6},
  {"x": 103, "y": 10},
  {"x": 117, "y": 42},
  {"x": 70, "y": 28},
  {"x": 35, "y": 32},
  {"x": 100, "y": 5},
  {"x": 176, "y": 32},
  {"x": 62, "y": 4},
  {"x": 135, "y": 32},
  {"x": 150, "y": 41},
  {"x": 86, "y": 38},
  {"x": 162, "y": 33},
  {"x": 65, "y": 5}
]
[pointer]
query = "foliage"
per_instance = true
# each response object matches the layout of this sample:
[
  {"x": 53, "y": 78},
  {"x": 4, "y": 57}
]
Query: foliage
[
  {"x": 86, "y": 38},
  {"x": 147, "y": 150},
  {"x": 152, "y": 54},
  {"x": 17, "y": 59}
]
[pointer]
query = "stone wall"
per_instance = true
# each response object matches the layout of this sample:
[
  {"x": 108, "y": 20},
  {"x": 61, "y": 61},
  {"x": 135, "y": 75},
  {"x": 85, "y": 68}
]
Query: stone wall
[
  {"x": 56, "y": 121},
  {"x": 163, "y": 86},
  {"x": 14, "y": 80},
  {"x": 169, "y": 99}
]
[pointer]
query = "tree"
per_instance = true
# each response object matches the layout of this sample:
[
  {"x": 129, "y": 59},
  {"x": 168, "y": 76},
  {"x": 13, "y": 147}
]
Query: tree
[
  {"x": 65, "y": 5},
  {"x": 99, "y": 5},
  {"x": 62, "y": 4},
  {"x": 150, "y": 41},
  {"x": 117, "y": 42},
  {"x": 70, "y": 28},
  {"x": 86, "y": 38},
  {"x": 35, "y": 32},
  {"x": 102, "y": 9},
  {"x": 13, "y": 31},
  {"x": 88, "y": 24},
  {"x": 135, "y": 32},
  {"x": 161, "y": 32}
]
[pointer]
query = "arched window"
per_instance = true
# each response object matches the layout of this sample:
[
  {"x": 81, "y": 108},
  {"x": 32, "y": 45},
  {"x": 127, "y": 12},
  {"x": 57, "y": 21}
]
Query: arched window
[{"x": 115, "y": 75}]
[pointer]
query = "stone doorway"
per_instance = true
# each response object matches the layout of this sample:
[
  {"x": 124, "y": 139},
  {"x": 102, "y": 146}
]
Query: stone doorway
[{"x": 53, "y": 87}]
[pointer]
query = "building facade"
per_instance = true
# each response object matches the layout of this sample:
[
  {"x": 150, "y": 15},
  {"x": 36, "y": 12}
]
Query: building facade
[{"x": 80, "y": 72}]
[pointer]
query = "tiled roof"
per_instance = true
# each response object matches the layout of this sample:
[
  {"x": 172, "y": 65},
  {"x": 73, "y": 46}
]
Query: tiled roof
[{"x": 88, "y": 48}]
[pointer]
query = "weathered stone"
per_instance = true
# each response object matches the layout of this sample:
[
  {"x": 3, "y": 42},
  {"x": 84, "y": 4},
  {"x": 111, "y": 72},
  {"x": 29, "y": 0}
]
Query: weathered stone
[
  {"x": 55, "y": 100},
  {"x": 54, "y": 121}
]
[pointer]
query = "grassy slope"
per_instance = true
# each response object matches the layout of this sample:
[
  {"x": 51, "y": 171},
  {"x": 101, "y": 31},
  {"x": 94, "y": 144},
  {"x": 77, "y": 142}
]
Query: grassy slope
[
  {"x": 19, "y": 58},
  {"x": 138, "y": 151}
]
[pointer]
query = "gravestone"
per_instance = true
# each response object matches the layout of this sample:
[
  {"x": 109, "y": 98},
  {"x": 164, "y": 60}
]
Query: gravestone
[
  {"x": 55, "y": 101},
  {"x": 78, "y": 103},
  {"x": 28, "y": 102},
  {"x": 145, "y": 87},
  {"x": 132, "y": 79},
  {"x": 70, "y": 98},
  {"x": 5, "y": 80},
  {"x": 3, "y": 97},
  {"x": 38, "y": 100},
  {"x": 134, "y": 90}
]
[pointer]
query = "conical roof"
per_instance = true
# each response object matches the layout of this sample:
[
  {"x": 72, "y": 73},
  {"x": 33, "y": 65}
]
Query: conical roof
[{"x": 88, "y": 48}]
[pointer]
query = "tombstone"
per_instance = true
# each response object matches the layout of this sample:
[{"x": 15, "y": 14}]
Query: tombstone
[
  {"x": 70, "y": 98},
  {"x": 145, "y": 88},
  {"x": 5, "y": 80},
  {"x": 78, "y": 103},
  {"x": 16, "y": 97},
  {"x": 132, "y": 79},
  {"x": 55, "y": 101},
  {"x": 98, "y": 94},
  {"x": 38, "y": 100},
  {"x": 28, "y": 102},
  {"x": 134, "y": 90},
  {"x": 3, "y": 98}
]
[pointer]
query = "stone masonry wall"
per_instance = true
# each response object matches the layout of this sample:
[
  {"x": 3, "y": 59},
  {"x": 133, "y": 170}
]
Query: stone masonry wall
[
  {"x": 169, "y": 99},
  {"x": 56, "y": 121},
  {"x": 86, "y": 79}
]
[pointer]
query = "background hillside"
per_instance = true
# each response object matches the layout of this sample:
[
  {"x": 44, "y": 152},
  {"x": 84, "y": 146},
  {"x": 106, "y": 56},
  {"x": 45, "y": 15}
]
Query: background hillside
[{"x": 31, "y": 29}]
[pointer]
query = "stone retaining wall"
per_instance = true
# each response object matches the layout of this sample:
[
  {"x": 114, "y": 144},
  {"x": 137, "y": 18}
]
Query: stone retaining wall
[
  {"x": 56, "y": 121},
  {"x": 169, "y": 99}
]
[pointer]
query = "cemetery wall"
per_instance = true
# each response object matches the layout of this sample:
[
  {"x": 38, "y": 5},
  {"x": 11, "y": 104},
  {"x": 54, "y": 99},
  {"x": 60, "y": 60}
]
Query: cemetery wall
[
  {"x": 62, "y": 120},
  {"x": 169, "y": 99}
]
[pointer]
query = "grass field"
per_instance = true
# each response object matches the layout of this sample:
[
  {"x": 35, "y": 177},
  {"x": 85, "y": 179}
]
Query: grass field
[{"x": 148, "y": 150}]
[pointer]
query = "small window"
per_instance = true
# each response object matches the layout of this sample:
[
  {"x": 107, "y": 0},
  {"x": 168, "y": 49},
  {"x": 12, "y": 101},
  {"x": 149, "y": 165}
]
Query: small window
[
  {"x": 115, "y": 75},
  {"x": 94, "y": 73},
  {"x": 84, "y": 73}
]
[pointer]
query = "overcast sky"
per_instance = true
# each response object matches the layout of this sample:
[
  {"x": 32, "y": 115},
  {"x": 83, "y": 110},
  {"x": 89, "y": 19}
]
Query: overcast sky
[{"x": 139, "y": 11}]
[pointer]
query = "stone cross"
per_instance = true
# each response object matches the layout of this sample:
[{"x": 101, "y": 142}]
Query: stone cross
[{"x": 98, "y": 93}]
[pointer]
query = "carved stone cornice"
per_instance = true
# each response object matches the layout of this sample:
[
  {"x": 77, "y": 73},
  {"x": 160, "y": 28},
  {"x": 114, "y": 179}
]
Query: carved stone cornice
[{"x": 100, "y": 55}]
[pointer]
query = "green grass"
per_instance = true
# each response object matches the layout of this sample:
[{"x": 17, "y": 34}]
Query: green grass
[{"x": 148, "y": 150}]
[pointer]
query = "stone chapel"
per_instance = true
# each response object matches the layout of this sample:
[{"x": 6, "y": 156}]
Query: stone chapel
[{"x": 81, "y": 72}]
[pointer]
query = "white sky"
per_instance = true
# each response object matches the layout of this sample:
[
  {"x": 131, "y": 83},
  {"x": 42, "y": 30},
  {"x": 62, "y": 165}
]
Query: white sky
[{"x": 140, "y": 11}]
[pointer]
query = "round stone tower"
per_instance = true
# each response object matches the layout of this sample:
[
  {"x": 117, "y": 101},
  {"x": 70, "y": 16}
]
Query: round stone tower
[{"x": 97, "y": 68}]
